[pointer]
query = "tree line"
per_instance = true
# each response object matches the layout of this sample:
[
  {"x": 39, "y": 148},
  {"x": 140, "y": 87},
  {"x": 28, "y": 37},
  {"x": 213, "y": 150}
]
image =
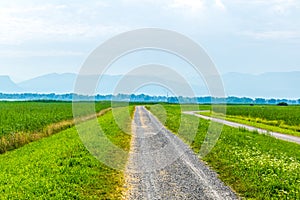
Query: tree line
[{"x": 143, "y": 98}]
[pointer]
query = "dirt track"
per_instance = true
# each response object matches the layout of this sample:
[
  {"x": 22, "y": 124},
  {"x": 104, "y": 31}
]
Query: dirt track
[
  {"x": 161, "y": 166},
  {"x": 250, "y": 128}
]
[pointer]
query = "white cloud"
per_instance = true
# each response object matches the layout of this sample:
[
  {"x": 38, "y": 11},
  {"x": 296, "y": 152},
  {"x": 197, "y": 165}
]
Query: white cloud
[
  {"x": 188, "y": 5},
  {"x": 273, "y": 35},
  {"x": 200, "y": 10},
  {"x": 219, "y": 4},
  {"x": 52, "y": 23},
  {"x": 29, "y": 9},
  {"x": 144, "y": 1},
  {"x": 284, "y": 7},
  {"x": 222, "y": 26},
  {"x": 273, "y": 6},
  {"x": 44, "y": 53}
]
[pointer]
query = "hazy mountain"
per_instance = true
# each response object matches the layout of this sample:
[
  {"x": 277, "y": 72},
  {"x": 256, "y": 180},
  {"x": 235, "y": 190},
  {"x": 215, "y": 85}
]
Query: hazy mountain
[
  {"x": 65, "y": 83},
  {"x": 50, "y": 83},
  {"x": 268, "y": 85},
  {"x": 8, "y": 86}
]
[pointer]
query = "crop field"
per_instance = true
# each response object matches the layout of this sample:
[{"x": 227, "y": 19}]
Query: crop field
[
  {"x": 283, "y": 119},
  {"x": 24, "y": 122},
  {"x": 35, "y": 116},
  {"x": 256, "y": 166},
  {"x": 290, "y": 115},
  {"x": 60, "y": 167}
]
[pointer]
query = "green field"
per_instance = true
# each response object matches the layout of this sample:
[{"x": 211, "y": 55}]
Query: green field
[
  {"x": 256, "y": 166},
  {"x": 60, "y": 167},
  {"x": 24, "y": 122},
  {"x": 290, "y": 115},
  {"x": 35, "y": 116},
  {"x": 282, "y": 119}
]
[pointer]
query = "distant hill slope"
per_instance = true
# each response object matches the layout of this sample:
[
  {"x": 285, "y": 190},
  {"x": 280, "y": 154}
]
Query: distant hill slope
[
  {"x": 50, "y": 83},
  {"x": 64, "y": 83},
  {"x": 8, "y": 86}
]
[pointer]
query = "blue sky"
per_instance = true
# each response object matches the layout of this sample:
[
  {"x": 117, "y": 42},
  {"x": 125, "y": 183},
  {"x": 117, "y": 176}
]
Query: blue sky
[{"x": 244, "y": 36}]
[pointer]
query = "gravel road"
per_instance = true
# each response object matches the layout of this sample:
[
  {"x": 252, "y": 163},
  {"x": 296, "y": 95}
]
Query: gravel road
[
  {"x": 161, "y": 166},
  {"x": 250, "y": 128}
]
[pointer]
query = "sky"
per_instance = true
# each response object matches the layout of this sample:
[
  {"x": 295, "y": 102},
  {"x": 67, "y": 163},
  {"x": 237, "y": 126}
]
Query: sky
[{"x": 242, "y": 36}]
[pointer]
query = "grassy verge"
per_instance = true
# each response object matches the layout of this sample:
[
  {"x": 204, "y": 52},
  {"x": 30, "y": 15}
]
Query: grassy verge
[
  {"x": 270, "y": 125},
  {"x": 256, "y": 166},
  {"x": 60, "y": 167}
]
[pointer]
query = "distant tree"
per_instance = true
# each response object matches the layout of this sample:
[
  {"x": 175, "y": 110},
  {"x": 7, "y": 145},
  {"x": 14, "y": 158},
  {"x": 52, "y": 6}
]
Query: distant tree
[
  {"x": 260, "y": 101},
  {"x": 282, "y": 104},
  {"x": 272, "y": 101},
  {"x": 247, "y": 100},
  {"x": 283, "y": 100},
  {"x": 172, "y": 100}
]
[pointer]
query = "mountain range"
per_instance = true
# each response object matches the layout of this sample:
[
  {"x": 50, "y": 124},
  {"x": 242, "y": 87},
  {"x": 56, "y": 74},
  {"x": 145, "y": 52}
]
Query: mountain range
[
  {"x": 266, "y": 85},
  {"x": 8, "y": 86}
]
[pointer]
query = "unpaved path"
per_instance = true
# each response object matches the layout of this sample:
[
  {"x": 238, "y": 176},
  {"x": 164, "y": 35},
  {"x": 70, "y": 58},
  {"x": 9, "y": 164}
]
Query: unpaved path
[
  {"x": 161, "y": 166},
  {"x": 281, "y": 136}
]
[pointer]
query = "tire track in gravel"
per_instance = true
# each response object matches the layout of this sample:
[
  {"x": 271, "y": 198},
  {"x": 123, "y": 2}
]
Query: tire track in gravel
[{"x": 161, "y": 166}]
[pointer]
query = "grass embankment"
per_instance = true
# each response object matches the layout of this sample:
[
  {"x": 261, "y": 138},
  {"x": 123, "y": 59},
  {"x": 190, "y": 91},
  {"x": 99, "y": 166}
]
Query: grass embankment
[
  {"x": 272, "y": 118},
  {"x": 24, "y": 122},
  {"x": 256, "y": 166},
  {"x": 60, "y": 167}
]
